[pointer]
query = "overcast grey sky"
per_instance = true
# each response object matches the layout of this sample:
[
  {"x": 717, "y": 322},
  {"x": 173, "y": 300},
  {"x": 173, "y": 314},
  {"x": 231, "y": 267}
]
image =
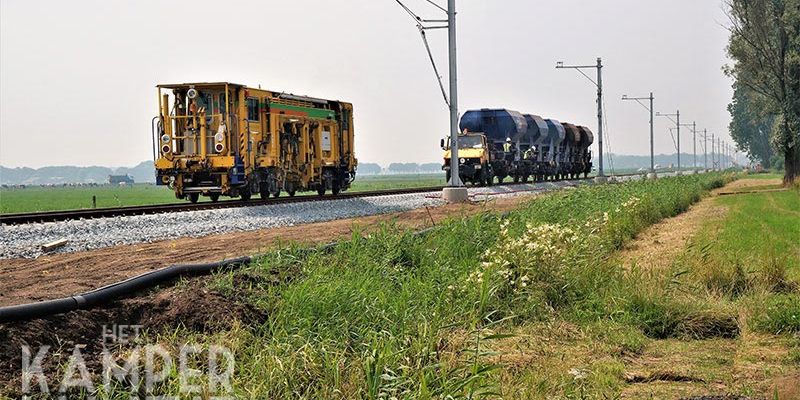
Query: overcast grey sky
[{"x": 77, "y": 77}]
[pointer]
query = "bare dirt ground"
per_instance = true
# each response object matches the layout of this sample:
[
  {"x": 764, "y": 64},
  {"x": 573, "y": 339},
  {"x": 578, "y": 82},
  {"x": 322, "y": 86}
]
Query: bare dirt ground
[
  {"x": 60, "y": 275},
  {"x": 193, "y": 307}
]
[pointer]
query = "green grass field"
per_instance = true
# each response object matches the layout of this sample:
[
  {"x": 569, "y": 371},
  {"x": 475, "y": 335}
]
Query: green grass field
[{"x": 33, "y": 199}]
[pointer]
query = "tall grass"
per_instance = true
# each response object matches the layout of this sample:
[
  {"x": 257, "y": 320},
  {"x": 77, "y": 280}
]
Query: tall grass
[{"x": 396, "y": 315}]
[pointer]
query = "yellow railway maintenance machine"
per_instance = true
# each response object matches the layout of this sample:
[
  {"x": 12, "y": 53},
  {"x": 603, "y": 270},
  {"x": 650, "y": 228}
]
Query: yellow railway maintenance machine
[{"x": 224, "y": 139}]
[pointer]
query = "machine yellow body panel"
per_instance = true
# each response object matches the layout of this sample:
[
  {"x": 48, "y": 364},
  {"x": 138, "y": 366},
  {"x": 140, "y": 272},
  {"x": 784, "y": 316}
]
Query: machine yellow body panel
[
  {"x": 474, "y": 159},
  {"x": 234, "y": 140}
]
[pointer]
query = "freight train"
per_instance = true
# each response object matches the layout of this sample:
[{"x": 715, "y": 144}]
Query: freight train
[
  {"x": 501, "y": 143},
  {"x": 226, "y": 139}
]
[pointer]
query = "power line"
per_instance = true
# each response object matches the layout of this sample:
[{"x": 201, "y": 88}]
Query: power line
[
  {"x": 419, "y": 21},
  {"x": 436, "y": 5}
]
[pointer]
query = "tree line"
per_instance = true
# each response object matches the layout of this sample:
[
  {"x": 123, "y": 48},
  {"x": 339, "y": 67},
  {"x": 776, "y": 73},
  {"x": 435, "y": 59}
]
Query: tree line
[
  {"x": 765, "y": 48},
  {"x": 399, "y": 168}
]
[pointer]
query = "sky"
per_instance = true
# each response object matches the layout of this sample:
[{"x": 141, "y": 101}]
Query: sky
[{"x": 77, "y": 78}]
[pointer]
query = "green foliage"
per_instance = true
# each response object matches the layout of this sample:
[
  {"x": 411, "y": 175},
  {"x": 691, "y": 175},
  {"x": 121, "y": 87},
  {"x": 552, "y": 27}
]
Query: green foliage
[
  {"x": 780, "y": 314},
  {"x": 409, "y": 312},
  {"x": 751, "y": 126},
  {"x": 765, "y": 46}
]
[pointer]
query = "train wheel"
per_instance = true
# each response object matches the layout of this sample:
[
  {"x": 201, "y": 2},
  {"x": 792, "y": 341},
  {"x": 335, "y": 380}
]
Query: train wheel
[
  {"x": 525, "y": 178},
  {"x": 321, "y": 190},
  {"x": 214, "y": 197},
  {"x": 245, "y": 194},
  {"x": 194, "y": 197},
  {"x": 291, "y": 192},
  {"x": 276, "y": 193},
  {"x": 263, "y": 191},
  {"x": 516, "y": 178},
  {"x": 336, "y": 188}
]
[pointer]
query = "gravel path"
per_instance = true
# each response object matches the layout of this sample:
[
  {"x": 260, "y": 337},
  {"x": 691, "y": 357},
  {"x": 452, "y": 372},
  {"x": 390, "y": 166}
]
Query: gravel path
[{"x": 24, "y": 241}]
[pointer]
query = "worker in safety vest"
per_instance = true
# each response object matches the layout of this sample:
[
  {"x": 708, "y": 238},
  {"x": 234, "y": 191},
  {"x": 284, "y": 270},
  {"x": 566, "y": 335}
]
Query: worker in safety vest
[
  {"x": 507, "y": 145},
  {"x": 528, "y": 154}
]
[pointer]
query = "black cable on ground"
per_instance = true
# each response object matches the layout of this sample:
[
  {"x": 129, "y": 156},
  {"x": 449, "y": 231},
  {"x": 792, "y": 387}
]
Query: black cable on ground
[{"x": 24, "y": 312}]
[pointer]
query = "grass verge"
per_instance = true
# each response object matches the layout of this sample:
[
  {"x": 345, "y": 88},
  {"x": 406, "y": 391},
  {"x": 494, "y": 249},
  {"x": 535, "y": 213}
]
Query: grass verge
[{"x": 524, "y": 305}]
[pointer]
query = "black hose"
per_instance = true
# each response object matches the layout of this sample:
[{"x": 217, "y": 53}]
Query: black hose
[{"x": 24, "y": 312}]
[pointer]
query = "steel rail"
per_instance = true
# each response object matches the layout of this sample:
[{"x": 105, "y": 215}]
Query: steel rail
[{"x": 54, "y": 216}]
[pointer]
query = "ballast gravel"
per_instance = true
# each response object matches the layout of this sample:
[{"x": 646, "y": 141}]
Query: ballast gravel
[{"x": 25, "y": 241}]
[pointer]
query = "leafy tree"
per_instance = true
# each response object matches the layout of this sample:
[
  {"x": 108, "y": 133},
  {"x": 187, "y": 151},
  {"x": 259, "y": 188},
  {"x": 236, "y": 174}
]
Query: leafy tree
[
  {"x": 751, "y": 126},
  {"x": 765, "y": 47}
]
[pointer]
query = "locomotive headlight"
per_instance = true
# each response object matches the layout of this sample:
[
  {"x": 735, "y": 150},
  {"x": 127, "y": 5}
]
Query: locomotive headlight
[
  {"x": 461, "y": 160},
  {"x": 165, "y": 149},
  {"x": 219, "y": 137},
  {"x": 165, "y": 138},
  {"x": 219, "y": 147}
]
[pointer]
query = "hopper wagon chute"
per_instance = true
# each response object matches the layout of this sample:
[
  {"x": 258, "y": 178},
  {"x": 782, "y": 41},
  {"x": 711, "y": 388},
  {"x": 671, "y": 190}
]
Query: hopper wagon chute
[
  {"x": 587, "y": 139},
  {"x": 538, "y": 138},
  {"x": 552, "y": 150}
]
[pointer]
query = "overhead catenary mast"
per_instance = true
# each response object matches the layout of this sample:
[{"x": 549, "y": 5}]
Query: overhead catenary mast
[
  {"x": 601, "y": 176},
  {"x": 693, "y": 126},
  {"x": 694, "y": 144},
  {"x": 678, "y": 126},
  {"x": 713, "y": 153},
  {"x": 455, "y": 192},
  {"x": 652, "y": 173},
  {"x": 455, "y": 179},
  {"x": 705, "y": 149}
]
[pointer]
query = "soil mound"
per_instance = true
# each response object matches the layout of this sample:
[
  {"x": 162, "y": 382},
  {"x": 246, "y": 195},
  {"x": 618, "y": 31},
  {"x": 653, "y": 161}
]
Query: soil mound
[{"x": 192, "y": 307}]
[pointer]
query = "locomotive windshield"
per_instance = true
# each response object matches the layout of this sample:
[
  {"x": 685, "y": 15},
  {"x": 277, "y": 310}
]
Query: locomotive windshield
[{"x": 470, "y": 142}]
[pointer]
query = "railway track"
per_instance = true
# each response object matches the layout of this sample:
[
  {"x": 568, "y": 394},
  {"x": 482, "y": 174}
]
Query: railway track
[
  {"x": 89, "y": 213},
  {"x": 53, "y": 216}
]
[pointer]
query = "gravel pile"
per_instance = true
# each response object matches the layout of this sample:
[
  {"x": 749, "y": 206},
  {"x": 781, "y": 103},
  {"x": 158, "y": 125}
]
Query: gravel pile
[{"x": 24, "y": 241}]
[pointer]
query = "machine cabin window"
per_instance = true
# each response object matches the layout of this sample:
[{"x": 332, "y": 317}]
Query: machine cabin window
[{"x": 252, "y": 109}]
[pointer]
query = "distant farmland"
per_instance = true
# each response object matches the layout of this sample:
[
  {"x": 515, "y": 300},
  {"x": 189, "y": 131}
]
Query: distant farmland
[{"x": 35, "y": 198}]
